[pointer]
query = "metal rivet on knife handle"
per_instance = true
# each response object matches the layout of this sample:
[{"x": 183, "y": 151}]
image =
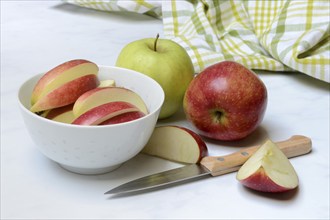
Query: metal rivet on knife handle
[
  {"x": 294, "y": 146},
  {"x": 245, "y": 153}
]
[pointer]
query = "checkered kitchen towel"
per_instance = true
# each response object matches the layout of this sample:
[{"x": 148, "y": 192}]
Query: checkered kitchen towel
[{"x": 278, "y": 35}]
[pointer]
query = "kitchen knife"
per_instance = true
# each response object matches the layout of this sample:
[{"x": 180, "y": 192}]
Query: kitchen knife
[{"x": 212, "y": 165}]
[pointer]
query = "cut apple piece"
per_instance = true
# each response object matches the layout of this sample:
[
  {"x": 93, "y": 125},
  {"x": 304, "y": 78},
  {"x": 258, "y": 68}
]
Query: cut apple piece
[
  {"x": 62, "y": 114},
  {"x": 268, "y": 170},
  {"x": 61, "y": 75},
  {"x": 126, "y": 117},
  {"x": 107, "y": 82},
  {"x": 66, "y": 94},
  {"x": 99, "y": 96},
  {"x": 177, "y": 144},
  {"x": 104, "y": 112}
]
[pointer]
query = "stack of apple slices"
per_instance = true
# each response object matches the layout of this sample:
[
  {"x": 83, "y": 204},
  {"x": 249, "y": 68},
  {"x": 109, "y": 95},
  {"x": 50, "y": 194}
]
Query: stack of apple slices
[
  {"x": 72, "y": 93},
  {"x": 63, "y": 85}
]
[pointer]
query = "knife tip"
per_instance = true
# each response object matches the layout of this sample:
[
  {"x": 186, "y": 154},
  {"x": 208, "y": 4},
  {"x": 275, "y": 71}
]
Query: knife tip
[{"x": 109, "y": 192}]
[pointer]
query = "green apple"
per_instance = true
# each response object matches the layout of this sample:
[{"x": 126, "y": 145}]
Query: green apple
[{"x": 166, "y": 62}]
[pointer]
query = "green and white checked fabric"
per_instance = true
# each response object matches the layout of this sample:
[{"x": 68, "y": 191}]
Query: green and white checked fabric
[{"x": 278, "y": 35}]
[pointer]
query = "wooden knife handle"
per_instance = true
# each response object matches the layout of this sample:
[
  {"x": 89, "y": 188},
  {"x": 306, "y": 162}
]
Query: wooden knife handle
[{"x": 295, "y": 146}]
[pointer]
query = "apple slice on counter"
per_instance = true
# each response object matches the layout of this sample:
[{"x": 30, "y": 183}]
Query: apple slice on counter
[
  {"x": 61, "y": 75},
  {"x": 177, "y": 144},
  {"x": 268, "y": 170},
  {"x": 62, "y": 114},
  {"x": 125, "y": 117},
  {"x": 66, "y": 94},
  {"x": 99, "y": 96},
  {"x": 103, "y": 112}
]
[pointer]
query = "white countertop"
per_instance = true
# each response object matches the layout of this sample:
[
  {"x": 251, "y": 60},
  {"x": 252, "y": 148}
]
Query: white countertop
[{"x": 36, "y": 36}]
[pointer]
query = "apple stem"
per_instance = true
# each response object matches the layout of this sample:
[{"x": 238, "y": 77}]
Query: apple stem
[
  {"x": 219, "y": 116},
  {"x": 155, "y": 44}
]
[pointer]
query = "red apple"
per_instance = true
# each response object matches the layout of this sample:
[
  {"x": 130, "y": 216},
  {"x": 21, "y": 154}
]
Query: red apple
[
  {"x": 268, "y": 170},
  {"x": 125, "y": 117},
  {"x": 177, "y": 144},
  {"x": 103, "y": 112},
  {"x": 226, "y": 101}
]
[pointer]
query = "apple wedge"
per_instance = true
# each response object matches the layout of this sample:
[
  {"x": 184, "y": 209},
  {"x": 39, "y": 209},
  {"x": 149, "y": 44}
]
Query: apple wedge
[
  {"x": 177, "y": 144},
  {"x": 107, "y": 82},
  {"x": 99, "y": 96},
  {"x": 61, "y": 75},
  {"x": 268, "y": 170},
  {"x": 126, "y": 117},
  {"x": 66, "y": 94},
  {"x": 62, "y": 114},
  {"x": 104, "y": 112}
]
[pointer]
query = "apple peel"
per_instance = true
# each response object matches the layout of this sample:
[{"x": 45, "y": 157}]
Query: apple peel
[{"x": 125, "y": 117}]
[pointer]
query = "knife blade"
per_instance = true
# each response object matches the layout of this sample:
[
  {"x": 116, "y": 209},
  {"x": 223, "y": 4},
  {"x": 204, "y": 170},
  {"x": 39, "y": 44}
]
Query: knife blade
[{"x": 211, "y": 165}]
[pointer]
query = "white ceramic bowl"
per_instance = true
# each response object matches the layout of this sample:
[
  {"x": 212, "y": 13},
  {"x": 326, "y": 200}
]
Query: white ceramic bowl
[{"x": 95, "y": 149}]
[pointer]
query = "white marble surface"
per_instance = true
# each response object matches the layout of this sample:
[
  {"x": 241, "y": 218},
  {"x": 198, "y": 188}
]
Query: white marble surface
[{"x": 36, "y": 35}]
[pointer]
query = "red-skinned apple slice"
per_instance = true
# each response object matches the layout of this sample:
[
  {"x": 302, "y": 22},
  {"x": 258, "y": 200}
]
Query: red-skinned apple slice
[
  {"x": 177, "y": 144},
  {"x": 104, "y": 112},
  {"x": 66, "y": 94},
  {"x": 268, "y": 170},
  {"x": 99, "y": 96},
  {"x": 61, "y": 75},
  {"x": 126, "y": 117},
  {"x": 62, "y": 114}
]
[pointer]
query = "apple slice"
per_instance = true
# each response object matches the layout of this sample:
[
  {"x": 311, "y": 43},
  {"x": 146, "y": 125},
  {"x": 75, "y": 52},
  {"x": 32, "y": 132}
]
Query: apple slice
[
  {"x": 103, "y": 112},
  {"x": 126, "y": 117},
  {"x": 177, "y": 144},
  {"x": 66, "y": 94},
  {"x": 268, "y": 170},
  {"x": 99, "y": 96},
  {"x": 62, "y": 114},
  {"x": 107, "y": 82},
  {"x": 61, "y": 75}
]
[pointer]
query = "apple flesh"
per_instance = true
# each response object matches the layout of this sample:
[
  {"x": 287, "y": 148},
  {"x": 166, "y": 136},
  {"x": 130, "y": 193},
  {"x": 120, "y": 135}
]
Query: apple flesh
[
  {"x": 106, "y": 83},
  {"x": 104, "y": 112},
  {"x": 61, "y": 75},
  {"x": 177, "y": 144},
  {"x": 268, "y": 170},
  {"x": 166, "y": 62},
  {"x": 99, "y": 96},
  {"x": 66, "y": 94},
  {"x": 62, "y": 114},
  {"x": 226, "y": 101},
  {"x": 125, "y": 117}
]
